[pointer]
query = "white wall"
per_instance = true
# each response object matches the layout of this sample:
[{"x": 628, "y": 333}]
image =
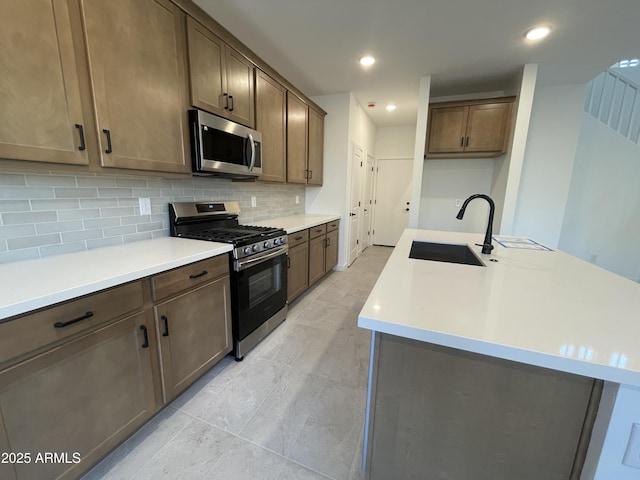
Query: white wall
[
  {"x": 345, "y": 122},
  {"x": 603, "y": 208},
  {"x": 508, "y": 167},
  {"x": 548, "y": 162},
  {"x": 444, "y": 181},
  {"x": 395, "y": 142}
]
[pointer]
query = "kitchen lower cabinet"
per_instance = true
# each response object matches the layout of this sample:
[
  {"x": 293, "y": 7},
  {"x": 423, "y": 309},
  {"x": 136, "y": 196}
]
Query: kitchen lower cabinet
[
  {"x": 41, "y": 116},
  {"x": 80, "y": 399},
  {"x": 194, "y": 333},
  {"x": 298, "y": 272},
  {"x": 316, "y": 259},
  {"x": 331, "y": 251}
]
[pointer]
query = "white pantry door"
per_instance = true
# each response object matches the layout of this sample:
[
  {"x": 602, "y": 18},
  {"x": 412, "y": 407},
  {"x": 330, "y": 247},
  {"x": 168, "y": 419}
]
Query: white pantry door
[
  {"x": 367, "y": 203},
  {"x": 393, "y": 195},
  {"x": 357, "y": 167}
]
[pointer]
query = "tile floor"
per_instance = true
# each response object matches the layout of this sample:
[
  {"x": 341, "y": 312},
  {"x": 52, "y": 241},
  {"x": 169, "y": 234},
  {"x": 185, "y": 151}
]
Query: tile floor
[{"x": 292, "y": 410}]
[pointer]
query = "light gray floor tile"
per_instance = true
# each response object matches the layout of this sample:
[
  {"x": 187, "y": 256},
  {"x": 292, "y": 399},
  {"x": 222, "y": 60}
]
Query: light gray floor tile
[
  {"x": 136, "y": 452},
  {"x": 192, "y": 455},
  {"x": 233, "y": 406},
  {"x": 293, "y": 471},
  {"x": 246, "y": 461}
]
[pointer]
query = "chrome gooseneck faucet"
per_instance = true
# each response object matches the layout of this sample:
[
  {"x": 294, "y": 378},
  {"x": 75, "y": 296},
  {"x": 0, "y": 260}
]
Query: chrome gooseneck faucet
[{"x": 486, "y": 246}]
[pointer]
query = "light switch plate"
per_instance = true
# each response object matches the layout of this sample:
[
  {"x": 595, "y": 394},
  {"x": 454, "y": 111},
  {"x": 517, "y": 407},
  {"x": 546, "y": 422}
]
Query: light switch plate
[
  {"x": 632, "y": 455},
  {"x": 253, "y": 201}
]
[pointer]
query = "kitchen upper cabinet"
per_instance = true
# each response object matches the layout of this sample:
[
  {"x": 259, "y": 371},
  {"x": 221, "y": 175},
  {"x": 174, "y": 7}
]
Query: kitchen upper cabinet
[
  {"x": 271, "y": 121},
  {"x": 221, "y": 78},
  {"x": 316, "y": 146},
  {"x": 84, "y": 396},
  {"x": 137, "y": 64},
  {"x": 305, "y": 142},
  {"x": 297, "y": 135},
  {"x": 41, "y": 116},
  {"x": 478, "y": 128}
]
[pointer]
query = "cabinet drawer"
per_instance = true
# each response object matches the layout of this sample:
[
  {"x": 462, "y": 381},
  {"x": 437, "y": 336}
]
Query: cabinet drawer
[
  {"x": 331, "y": 226},
  {"x": 297, "y": 238},
  {"x": 317, "y": 231},
  {"x": 175, "y": 281},
  {"x": 32, "y": 331}
]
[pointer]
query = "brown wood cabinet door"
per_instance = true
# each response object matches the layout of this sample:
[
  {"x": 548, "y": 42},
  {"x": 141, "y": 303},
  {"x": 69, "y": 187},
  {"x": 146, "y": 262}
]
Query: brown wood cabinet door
[
  {"x": 39, "y": 89},
  {"x": 447, "y": 127},
  {"x": 487, "y": 127},
  {"x": 317, "y": 247},
  {"x": 85, "y": 396},
  {"x": 316, "y": 147},
  {"x": 206, "y": 69},
  {"x": 297, "y": 124},
  {"x": 194, "y": 332},
  {"x": 240, "y": 88},
  {"x": 298, "y": 272},
  {"x": 331, "y": 253},
  {"x": 271, "y": 121},
  {"x": 136, "y": 58}
]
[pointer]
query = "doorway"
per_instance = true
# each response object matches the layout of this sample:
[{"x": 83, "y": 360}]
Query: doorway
[{"x": 392, "y": 200}]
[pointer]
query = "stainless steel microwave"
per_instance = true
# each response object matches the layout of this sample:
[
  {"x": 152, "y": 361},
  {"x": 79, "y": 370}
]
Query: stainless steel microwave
[{"x": 220, "y": 147}]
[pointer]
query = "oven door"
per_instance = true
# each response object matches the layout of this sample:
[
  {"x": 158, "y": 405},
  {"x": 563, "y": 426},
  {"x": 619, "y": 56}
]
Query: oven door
[{"x": 260, "y": 290}]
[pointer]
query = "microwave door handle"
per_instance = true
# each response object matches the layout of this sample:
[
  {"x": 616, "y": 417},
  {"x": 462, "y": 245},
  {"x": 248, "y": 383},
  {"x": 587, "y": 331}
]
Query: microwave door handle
[{"x": 253, "y": 153}]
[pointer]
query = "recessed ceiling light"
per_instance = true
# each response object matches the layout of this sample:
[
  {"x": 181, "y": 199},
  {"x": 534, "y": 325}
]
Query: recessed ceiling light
[
  {"x": 367, "y": 61},
  {"x": 537, "y": 33},
  {"x": 391, "y": 107}
]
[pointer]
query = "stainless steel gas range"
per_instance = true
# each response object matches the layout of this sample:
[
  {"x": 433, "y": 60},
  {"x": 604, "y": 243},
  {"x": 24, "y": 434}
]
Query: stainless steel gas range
[{"x": 258, "y": 266}]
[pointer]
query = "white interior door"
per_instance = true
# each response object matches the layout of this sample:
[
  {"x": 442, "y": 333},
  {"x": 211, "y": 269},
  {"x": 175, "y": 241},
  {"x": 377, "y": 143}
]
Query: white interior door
[
  {"x": 392, "y": 203},
  {"x": 367, "y": 203},
  {"x": 357, "y": 167}
]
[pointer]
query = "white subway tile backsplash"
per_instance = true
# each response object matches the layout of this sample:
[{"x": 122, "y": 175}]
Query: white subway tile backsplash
[
  {"x": 19, "y": 193},
  {"x": 55, "y": 204},
  {"x": 33, "y": 241},
  {"x": 20, "y": 218},
  {"x": 62, "y": 192},
  {"x": 93, "y": 211},
  {"x": 58, "y": 227},
  {"x": 15, "y": 205},
  {"x": 17, "y": 231}
]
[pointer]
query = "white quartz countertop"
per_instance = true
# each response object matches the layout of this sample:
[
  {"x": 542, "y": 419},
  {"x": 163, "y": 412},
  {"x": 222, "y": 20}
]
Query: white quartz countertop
[
  {"x": 295, "y": 223},
  {"x": 32, "y": 284},
  {"x": 543, "y": 308}
]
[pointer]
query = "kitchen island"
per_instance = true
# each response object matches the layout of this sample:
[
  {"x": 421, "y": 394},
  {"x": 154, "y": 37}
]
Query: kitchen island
[{"x": 476, "y": 365}]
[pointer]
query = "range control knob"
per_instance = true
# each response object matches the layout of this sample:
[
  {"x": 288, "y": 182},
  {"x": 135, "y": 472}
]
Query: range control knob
[
  {"x": 266, "y": 244},
  {"x": 283, "y": 240},
  {"x": 276, "y": 241},
  {"x": 256, "y": 248},
  {"x": 247, "y": 250}
]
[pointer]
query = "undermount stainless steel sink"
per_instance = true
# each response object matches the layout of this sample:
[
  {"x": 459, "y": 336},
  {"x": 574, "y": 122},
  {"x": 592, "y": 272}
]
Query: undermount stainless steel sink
[{"x": 444, "y": 252}]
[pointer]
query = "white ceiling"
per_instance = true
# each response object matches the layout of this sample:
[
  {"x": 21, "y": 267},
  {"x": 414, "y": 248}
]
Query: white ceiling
[{"x": 467, "y": 46}]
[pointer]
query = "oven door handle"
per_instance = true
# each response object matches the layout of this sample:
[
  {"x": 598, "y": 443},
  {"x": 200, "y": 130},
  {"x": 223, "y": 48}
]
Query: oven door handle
[{"x": 240, "y": 265}]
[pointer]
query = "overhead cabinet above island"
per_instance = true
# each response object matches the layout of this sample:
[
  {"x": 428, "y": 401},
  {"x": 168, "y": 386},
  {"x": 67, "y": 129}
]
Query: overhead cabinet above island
[{"x": 469, "y": 129}]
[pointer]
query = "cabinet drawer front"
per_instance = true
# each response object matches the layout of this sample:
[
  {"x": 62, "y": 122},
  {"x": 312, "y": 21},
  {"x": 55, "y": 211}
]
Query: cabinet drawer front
[
  {"x": 298, "y": 238},
  {"x": 32, "y": 331},
  {"x": 317, "y": 231},
  {"x": 175, "y": 281},
  {"x": 331, "y": 226}
]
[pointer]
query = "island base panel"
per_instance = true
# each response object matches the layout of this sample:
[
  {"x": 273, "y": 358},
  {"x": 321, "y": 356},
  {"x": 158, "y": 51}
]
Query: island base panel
[{"x": 443, "y": 413}]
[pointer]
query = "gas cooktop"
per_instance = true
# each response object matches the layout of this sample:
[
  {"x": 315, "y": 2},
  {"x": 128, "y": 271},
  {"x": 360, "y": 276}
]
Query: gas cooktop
[{"x": 218, "y": 222}]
